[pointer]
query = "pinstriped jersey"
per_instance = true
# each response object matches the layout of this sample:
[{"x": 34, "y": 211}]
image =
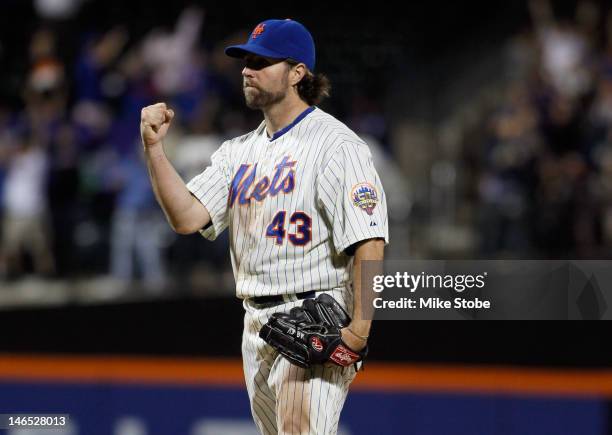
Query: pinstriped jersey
[{"x": 293, "y": 204}]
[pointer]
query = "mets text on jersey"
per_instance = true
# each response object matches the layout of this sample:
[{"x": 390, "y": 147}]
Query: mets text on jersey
[{"x": 244, "y": 179}]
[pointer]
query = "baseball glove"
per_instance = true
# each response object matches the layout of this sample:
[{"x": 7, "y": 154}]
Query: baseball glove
[{"x": 310, "y": 334}]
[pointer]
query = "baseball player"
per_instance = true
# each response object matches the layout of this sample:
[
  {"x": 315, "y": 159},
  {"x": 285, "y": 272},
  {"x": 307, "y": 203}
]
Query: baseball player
[{"x": 304, "y": 206}]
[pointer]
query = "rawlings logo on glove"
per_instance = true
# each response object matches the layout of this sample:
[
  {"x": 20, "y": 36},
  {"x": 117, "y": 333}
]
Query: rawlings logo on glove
[
  {"x": 316, "y": 344},
  {"x": 344, "y": 356},
  {"x": 310, "y": 334}
]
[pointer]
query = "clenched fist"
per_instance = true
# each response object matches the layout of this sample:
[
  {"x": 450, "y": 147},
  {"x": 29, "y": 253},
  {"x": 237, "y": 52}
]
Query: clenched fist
[{"x": 154, "y": 123}]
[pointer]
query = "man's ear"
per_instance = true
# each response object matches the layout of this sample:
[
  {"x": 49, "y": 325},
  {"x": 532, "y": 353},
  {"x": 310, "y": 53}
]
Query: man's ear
[{"x": 297, "y": 73}]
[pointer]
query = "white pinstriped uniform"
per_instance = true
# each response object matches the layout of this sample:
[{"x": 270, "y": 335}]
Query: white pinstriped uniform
[{"x": 293, "y": 203}]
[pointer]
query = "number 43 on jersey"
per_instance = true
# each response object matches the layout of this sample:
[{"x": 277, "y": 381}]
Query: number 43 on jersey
[{"x": 299, "y": 223}]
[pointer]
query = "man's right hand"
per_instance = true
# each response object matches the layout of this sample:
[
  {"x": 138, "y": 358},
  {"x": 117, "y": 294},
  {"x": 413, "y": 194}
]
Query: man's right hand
[{"x": 154, "y": 123}]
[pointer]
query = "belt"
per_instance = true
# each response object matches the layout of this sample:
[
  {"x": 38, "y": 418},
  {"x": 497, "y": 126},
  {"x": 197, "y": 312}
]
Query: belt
[{"x": 277, "y": 299}]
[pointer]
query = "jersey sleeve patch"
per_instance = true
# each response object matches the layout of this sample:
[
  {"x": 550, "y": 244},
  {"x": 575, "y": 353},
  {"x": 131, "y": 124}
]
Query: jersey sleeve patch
[{"x": 365, "y": 196}]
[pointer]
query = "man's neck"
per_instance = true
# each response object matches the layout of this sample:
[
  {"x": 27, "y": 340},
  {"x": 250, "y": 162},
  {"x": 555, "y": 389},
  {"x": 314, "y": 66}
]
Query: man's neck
[{"x": 282, "y": 114}]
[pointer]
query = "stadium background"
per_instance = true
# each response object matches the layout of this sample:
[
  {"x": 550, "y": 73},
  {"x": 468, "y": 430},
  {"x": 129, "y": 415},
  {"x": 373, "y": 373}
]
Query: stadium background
[{"x": 489, "y": 122}]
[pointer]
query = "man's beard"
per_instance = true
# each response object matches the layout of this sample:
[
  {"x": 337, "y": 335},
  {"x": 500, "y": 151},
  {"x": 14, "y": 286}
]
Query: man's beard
[{"x": 261, "y": 99}]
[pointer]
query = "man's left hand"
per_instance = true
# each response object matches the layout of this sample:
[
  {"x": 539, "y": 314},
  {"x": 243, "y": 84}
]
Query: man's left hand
[{"x": 355, "y": 343}]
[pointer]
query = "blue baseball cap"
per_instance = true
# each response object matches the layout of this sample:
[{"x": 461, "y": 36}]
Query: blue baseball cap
[{"x": 278, "y": 39}]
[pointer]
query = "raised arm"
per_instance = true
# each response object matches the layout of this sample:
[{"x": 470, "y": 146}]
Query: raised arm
[{"x": 184, "y": 212}]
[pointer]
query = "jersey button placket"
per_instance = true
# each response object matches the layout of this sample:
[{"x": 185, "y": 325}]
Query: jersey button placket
[{"x": 264, "y": 169}]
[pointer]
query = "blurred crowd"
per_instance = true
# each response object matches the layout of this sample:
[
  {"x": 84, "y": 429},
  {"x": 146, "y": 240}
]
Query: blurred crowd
[
  {"x": 75, "y": 194},
  {"x": 541, "y": 163}
]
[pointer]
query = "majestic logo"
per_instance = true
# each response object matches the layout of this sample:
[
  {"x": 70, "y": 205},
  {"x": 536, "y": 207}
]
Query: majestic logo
[
  {"x": 365, "y": 197},
  {"x": 316, "y": 344},
  {"x": 245, "y": 188},
  {"x": 344, "y": 356},
  {"x": 258, "y": 30}
]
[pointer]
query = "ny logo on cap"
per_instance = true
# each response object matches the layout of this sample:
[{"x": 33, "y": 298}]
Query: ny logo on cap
[{"x": 258, "y": 30}]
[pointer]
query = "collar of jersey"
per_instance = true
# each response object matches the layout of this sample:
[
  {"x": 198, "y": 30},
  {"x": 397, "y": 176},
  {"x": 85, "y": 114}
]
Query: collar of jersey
[{"x": 282, "y": 131}]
